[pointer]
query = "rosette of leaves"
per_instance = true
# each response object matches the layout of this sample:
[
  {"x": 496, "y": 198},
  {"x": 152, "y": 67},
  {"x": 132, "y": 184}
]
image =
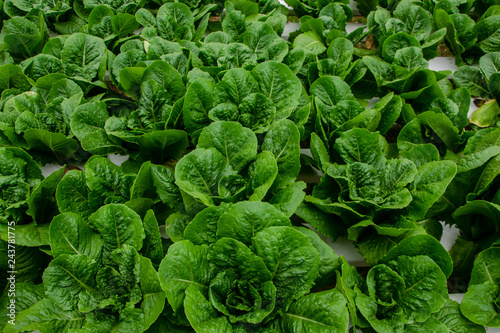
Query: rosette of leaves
[
  {"x": 101, "y": 182},
  {"x": 422, "y": 89},
  {"x": 476, "y": 170},
  {"x": 482, "y": 82},
  {"x": 315, "y": 34},
  {"x": 480, "y": 302},
  {"x": 229, "y": 166},
  {"x": 79, "y": 56},
  {"x": 338, "y": 62},
  {"x": 198, "y": 8},
  {"x": 234, "y": 47},
  {"x": 254, "y": 98},
  {"x": 24, "y": 37},
  {"x": 39, "y": 120},
  {"x": 404, "y": 294},
  {"x": 174, "y": 21},
  {"x": 430, "y": 135},
  {"x": 375, "y": 303},
  {"x": 144, "y": 130},
  {"x": 479, "y": 229},
  {"x": 83, "y": 8},
  {"x": 310, "y": 8},
  {"x": 411, "y": 22},
  {"x": 337, "y": 110},
  {"x": 114, "y": 29},
  {"x": 101, "y": 278},
  {"x": 375, "y": 199},
  {"x": 241, "y": 284},
  {"x": 242, "y": 44},
  {"x": 21, "y": 192},
  {"x": 470, "y": 201},
  {"x": 135, "y": 56},
  {"x": 245, "y": 218},
  {"x": 28, "y": 200},
  {"x": 402, "y": 69},
  {"x": 437, "y": 127},
  {"x": 59, "y": 15},
  {"x": 247, "y": 12},
  {"x": 51, "y": 10}
]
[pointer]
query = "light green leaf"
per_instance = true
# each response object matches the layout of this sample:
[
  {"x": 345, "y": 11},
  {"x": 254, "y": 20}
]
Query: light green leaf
[
  {"x": 82, "y": 54},
  {"x": 325, "y": 311},
  {"x": 292, "y": 259},
  {"x": 277, "y": 82},
  {"x": 430, "y": 183},
  {"x": 70, "y": 234},
  {"x": 184, "y": 265},
  {"x": 198, "y": 173},
  {"x": 245, "y": 219},
  {"x": 68, "y": 277},
  {"x": 118, "y": 225},
  {"x": 236, "y": 143},
  {"x": 72, "y": 194}
]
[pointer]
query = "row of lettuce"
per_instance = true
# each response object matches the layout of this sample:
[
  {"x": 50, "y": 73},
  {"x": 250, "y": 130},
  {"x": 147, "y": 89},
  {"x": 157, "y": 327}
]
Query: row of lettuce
[
  {"x": 469, "y": 28},
  {"x": 59, "y": 103},
  {"x": 90, "y": 256}
]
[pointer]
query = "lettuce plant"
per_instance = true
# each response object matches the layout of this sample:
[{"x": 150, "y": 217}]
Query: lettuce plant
[
  {"x": 39, "y": 120},
  {"x": 404, "y": 292},
  {"x": 27, "y": 199},
  {"x": 83, "y": 8},
  {"x": 475, "y": 203},
  {"x": 144, "y": 128},
  {"x": 368, "y": 190},
  {"x": 228, "y": 166},
  {"x": 245, "y": 279},
  {"x": 104, "y": 24},
  {"x": 255, "y": 99},
  {"x": 173, "y": 22},
  {"x": 101, "y": 182},
  {"x": 337, "y": 110},
  {"x": 98, "y": 281},
  {"x": 236, "y": 169},
  {"x": 461, "y": 34},
  {"x": 21, "y": 175},
  {"x": 25, "y": 37},
  {"x": 409, "y": 21},
  {"x": 239, "y": 44},
  {"x": 81, "y": 57},
  {"x": 476, "y": 166},
  {"x": 479, "y": 230},
  {"x": 315, "y": 34}
]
